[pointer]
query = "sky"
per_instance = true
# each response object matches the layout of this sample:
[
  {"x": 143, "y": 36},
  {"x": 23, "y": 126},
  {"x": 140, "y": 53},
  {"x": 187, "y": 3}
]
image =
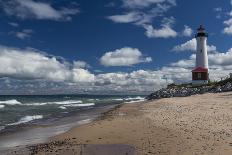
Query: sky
[{"x": 108, "y": 46}]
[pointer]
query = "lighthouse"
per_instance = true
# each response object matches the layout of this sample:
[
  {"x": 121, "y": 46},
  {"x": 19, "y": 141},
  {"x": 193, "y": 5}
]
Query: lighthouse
[{"x": 200, "y": 74}]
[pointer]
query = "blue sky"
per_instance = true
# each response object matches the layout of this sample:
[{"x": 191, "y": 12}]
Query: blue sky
[{"x": 132, "y": 46}]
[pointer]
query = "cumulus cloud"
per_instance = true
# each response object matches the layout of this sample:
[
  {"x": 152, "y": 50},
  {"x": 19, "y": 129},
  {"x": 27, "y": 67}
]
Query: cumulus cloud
[
  {"x": 222, "y": 59},
  {"x": 220, "y": 64},
  {"x": 144, "y": 3},
  {"x": 126, "y": 56},
  {"x": 82, "y": 75},
  {"x": 187, "y": 31},
  {"x": 36, "y": 10},
  {"x": 29, "y": 71},
  {"x": 165, "y": 31},
  {"x": 191, "y": 45},
  {"x": 32, "y": 64},
  {"x": 80, "y": 64},
  {"x": 228, "y": 28},
  {"x": 144, "y": 18}
]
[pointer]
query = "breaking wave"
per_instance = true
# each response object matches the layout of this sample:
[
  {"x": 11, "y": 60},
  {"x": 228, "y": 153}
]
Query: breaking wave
[
  {"x": 2, "y": 127},
  {"x": 11, "y": 102},
  {"x": 77, "y": 105},
  {"x": 2, "y": 106},
  {"x": 118, "y": 99},
  {"x": 135, "y": 101},
  {"x": 58, "y": 103},
  {"x": 134, "y": 98},
  {"x": 80, "y": 105},
  {"x": 26, "y": 119}
]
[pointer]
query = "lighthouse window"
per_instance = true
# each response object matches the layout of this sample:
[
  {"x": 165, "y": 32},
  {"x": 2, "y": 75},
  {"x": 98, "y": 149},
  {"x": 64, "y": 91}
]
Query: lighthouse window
[
  {"x": 201, "y": 50},
  {"x": 199, "y": 75}
]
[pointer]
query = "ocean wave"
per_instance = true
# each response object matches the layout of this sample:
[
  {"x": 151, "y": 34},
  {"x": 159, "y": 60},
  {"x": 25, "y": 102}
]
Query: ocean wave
[
  {"x": 134, "y": 101},
  {"x": 11, "y": 102},
  {"x": 76, "y": 105},
  {"x": 2, "y": 127},
  {"x": 2, "y": 106},
  {"x": 62, "y": 107},
  {"x": 91, "y": 99},
  {"x": 80, "y": 105},
  {"x": 134, "y": 98},
  {"x": 26, "y": 119},
  {"x": 58, "y": 103},
  {"x": 118, "y": 99}
]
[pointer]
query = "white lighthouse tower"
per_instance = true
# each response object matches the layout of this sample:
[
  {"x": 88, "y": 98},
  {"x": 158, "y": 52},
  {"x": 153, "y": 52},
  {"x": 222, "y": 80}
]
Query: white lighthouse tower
[{"x": 200, "y": 74}]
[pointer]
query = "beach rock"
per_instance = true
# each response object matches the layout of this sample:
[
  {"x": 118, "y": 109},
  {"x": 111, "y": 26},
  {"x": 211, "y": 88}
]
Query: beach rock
[{"x": 190, "y": 90}]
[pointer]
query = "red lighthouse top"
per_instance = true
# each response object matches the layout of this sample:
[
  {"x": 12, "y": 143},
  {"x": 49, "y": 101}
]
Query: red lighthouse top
[{"x": 200, "y": 69}]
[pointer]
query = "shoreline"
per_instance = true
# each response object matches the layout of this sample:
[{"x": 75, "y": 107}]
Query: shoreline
[
  {"x": 198, "y": 124},
  {"x": 12, "y": 139}
]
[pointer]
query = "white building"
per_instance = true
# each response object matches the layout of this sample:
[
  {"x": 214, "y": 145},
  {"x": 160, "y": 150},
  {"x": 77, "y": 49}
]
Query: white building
[{"x": 200, "y": 75}]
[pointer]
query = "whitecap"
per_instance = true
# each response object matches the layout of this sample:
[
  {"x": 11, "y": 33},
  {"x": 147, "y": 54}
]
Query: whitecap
[
  {"x": 2, "y": 106},
  {"x": 10, "y": 102},
  {"x": 134, "y": 101},
  {"x": 58, "y": 103},
  {"x": 118, "y": 99},
  {"x": 26, "y": 119},
  {"x": 134, "y": 98},
  {"x": 80, "y": 105},
  {"x": 2, "y": 127},
  {"x": 62, "y": 107},
  {"x": 91, "y": 99}
]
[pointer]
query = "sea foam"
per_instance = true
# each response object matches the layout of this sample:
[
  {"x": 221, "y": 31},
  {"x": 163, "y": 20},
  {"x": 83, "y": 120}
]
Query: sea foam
[
  {"x": 58, "y": 103},
  {"x": 134, "y": 98},
  {"x": 80, "y": 105},
  {"x": 2, "y": 106},
  {"x": 10, "y": 102},
  {"x": 26, "y": 119}
]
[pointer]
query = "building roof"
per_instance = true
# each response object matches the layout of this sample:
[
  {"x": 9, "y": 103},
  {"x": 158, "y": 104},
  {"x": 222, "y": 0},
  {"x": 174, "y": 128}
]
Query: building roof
[{"x": 200, "y": 69}]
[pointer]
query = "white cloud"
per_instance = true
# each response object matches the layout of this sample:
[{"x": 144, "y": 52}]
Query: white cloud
[
  {"x": 82, "y": 75},
  {"x": 218, "y": 9},
  {"x": 187, "y": 31},
  {"x": 80, "y": 64},
  {"x": 24, "y": 34},
  {"x": 39, "y": 10},
  {"x": 222, "y": 59},
  {"x": 164, "y": 32},
  {"x": 228, "y": 29},
  {"x": 144, "y": 3},
  {"x": 28, "y": 71},
  {"x": 31, "y": 64},
  {"x": 126, "y": 18},
  {"x": 13, "y": 24},
  {"x": 191, "y": 45},
  {"x": 187, "y": 46},
  {"x": 144, "y": 18},
  {"x": 126, "y": 56}
]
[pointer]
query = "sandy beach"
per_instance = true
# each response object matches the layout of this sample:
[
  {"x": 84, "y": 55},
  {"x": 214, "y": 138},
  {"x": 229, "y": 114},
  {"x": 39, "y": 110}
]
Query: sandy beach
[{"x": 199, "y": 124}]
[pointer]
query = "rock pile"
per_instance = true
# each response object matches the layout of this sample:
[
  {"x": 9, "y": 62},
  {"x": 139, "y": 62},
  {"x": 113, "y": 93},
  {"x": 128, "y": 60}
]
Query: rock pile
[{"x": 189, "y": 90}]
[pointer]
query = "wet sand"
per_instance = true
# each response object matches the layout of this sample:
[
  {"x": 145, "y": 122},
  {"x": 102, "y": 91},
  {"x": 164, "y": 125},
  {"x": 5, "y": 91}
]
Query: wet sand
[{"x": 199, "y": 124}]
